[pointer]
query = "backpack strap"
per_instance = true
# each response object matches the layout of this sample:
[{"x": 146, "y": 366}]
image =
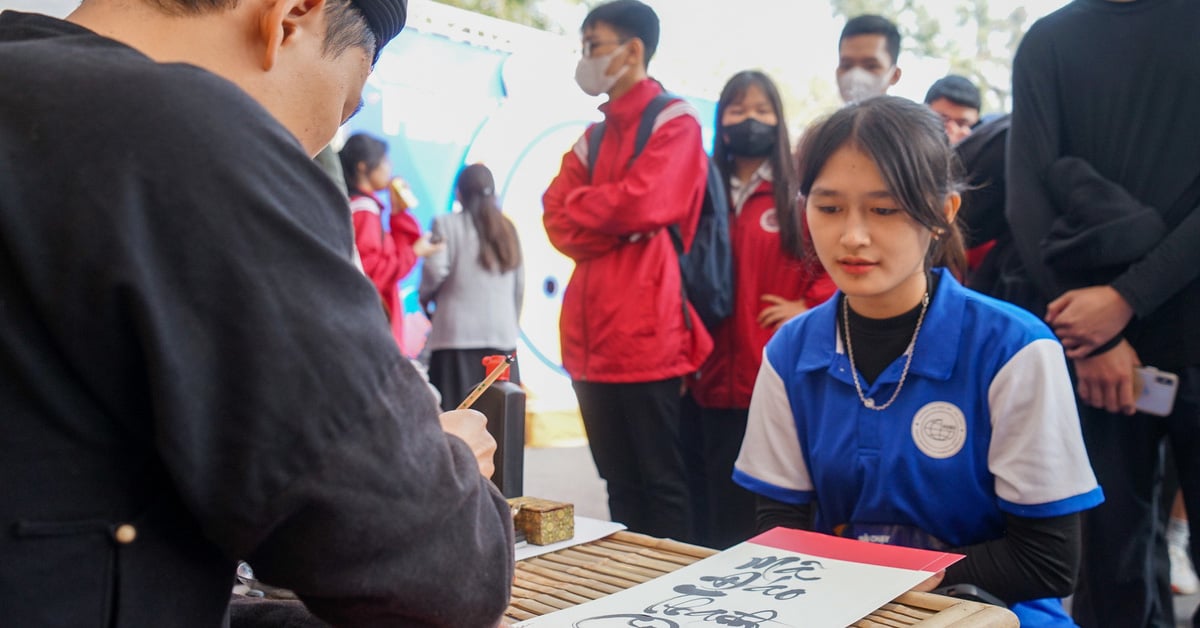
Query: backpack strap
[
  {"x": 645, "y": 128},
  {"x": 646, "y": 125},
  {"x": 714, "y": 191},
  {"x": 595, "y": 136},
  {"x": 644, "y": 131}
]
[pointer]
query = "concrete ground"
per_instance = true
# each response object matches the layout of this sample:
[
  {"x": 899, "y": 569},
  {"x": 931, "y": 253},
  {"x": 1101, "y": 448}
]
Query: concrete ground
[{"x": 567, "y": 474}]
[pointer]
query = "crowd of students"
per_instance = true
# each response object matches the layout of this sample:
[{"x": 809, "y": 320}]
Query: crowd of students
[
  {"x": 196, "y": 373},
  {"x": 906, "y": 408}
]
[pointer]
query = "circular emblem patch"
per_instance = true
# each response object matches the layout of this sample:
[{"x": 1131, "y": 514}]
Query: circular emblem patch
[
  {"x": 769, "y": 221},
  {"x": 939, "y": 429}
]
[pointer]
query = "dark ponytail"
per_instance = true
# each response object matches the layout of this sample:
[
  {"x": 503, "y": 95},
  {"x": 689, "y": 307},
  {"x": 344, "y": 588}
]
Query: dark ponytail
[
  {"x": 499, "y": 248},
  {"x": 360, "y": 149}
]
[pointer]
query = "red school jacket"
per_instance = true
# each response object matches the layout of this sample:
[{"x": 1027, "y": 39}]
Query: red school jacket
[
  {"x": 623, "y": 313},
  {"x": 760, "y": 267},
  {"x": 386, "y": 257}
]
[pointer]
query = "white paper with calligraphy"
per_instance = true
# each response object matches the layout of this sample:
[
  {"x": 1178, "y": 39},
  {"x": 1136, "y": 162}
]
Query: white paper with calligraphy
[{"x": 781, "y": 578}]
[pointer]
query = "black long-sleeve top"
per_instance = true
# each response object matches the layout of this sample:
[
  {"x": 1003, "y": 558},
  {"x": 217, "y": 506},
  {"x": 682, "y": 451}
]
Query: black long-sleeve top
[
  {"x": 1036, "y": 557},
  {"x": 1116, "y": 84},
  {"x": 192, "y": 371}
]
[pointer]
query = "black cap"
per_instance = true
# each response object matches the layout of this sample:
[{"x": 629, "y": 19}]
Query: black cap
[
  {"x": 957, "y": 89},
  {"x": 385, "y": 18}
]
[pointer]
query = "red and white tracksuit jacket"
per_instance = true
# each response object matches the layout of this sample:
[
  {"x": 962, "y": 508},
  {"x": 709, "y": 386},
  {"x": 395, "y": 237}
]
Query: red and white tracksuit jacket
[
  {"x": 760, "y": 267},
  {"x": 386, "y": 257},
  {"x": 623, "y": 314}
]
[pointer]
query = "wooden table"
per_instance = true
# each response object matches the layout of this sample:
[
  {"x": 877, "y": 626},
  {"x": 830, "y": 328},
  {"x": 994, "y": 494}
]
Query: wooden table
[{"x": 586, "y": 572}]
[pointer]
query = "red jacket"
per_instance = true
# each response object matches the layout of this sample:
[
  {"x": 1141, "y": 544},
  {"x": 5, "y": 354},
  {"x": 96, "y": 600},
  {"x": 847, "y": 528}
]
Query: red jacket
[
  {"x": 623, "y": 311},
  {"x": 386, "y": 258},
  {"x": 760, "y": 267}
]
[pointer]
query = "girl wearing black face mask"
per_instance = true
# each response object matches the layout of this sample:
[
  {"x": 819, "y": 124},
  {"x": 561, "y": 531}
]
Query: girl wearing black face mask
[{"x": 773, "y": 281}]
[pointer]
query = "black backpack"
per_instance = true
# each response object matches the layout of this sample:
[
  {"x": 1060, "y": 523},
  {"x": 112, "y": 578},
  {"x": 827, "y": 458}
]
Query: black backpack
[{"x": 706, "y": 269}]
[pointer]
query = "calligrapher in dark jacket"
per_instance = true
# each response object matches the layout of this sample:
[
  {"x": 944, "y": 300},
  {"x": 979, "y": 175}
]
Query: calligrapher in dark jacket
[{"x": 192, "y": 370}]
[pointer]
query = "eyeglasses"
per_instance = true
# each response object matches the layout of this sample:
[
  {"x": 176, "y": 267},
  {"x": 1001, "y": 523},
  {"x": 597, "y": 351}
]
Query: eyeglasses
[
  {"x": 590, "y": 46},
  {"x": 960, "y": 123}
]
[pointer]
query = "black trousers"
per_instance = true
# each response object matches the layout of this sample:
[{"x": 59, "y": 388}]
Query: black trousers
[
  {"x": 456, "y": 372},
  {"x": 691, "y": 445},
  {"x": 723, "y": 511},
  {"x": 1125, "y": 577},
  {"x": 633, "y": 432}
]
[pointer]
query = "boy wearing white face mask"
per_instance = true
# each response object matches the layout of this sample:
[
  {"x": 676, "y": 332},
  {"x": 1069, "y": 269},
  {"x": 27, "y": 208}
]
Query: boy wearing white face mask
[
  {"x": 867, "y": 53},
  {"x": 628, "y": 335}
]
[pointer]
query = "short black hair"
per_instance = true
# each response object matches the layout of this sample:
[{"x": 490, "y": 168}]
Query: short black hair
[
  {"x": 347, "y": 27},
  {"x": 957, "y": 89},
  {"x": 629, "y": 18},
  {"x": 873, "y": 25}
]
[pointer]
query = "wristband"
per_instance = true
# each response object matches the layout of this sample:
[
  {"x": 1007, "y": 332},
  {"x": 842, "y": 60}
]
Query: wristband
[{"x": 1104, "y": 348}]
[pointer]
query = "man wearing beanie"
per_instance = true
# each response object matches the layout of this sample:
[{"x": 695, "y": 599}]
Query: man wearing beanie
[{"x": 192, "y": 371}]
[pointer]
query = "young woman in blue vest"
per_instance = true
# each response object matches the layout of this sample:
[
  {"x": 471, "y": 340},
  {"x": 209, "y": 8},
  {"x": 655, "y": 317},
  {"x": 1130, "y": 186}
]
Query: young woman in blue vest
[
  {"x": 773, "y": 281},
  {"x": 908, "y": 409}
]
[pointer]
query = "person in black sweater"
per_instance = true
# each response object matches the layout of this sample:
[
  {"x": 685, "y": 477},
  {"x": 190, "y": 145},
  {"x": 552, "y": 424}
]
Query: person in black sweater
[
  {"x": 1104, "y": 157},
  {"x": 192, "y": 370}
]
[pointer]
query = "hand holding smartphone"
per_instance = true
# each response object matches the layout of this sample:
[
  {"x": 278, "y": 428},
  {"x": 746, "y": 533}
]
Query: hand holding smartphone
[{"x": 1154, "y": 390}]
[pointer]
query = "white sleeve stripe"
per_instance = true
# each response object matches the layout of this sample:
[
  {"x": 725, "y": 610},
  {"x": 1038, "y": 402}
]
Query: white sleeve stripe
[
  {"x": 364, "y": 205},
  {"x": 581, "y": 149},
  {"x": 1037, "y": 453},
  {"x": 771, "y": 448},
  {"x": 670, "y": 112},
  {"x": 675, "y": 110}
]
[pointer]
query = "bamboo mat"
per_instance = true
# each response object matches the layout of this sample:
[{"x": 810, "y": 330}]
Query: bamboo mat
[{"x": 586, "y": 572}]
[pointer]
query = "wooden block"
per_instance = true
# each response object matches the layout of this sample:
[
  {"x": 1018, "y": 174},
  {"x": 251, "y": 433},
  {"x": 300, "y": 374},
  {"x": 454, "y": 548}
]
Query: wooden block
[{"x": 543, "y": 521}]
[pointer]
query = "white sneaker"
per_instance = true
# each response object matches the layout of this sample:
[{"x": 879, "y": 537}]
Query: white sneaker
[{"x": 1183, "y": 576}]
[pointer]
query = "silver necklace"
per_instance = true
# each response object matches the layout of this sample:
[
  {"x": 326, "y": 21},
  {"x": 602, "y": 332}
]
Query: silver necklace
[{"x": 867, "y": 401}]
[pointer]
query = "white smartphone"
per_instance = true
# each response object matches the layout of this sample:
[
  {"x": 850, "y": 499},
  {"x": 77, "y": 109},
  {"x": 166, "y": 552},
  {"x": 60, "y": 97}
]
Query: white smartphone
[{"x": 1155, "y": 390}]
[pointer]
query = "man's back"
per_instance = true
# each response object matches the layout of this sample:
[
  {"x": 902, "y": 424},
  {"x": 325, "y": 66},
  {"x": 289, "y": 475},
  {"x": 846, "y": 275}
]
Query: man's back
[{"x": 192, "y": 372}]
